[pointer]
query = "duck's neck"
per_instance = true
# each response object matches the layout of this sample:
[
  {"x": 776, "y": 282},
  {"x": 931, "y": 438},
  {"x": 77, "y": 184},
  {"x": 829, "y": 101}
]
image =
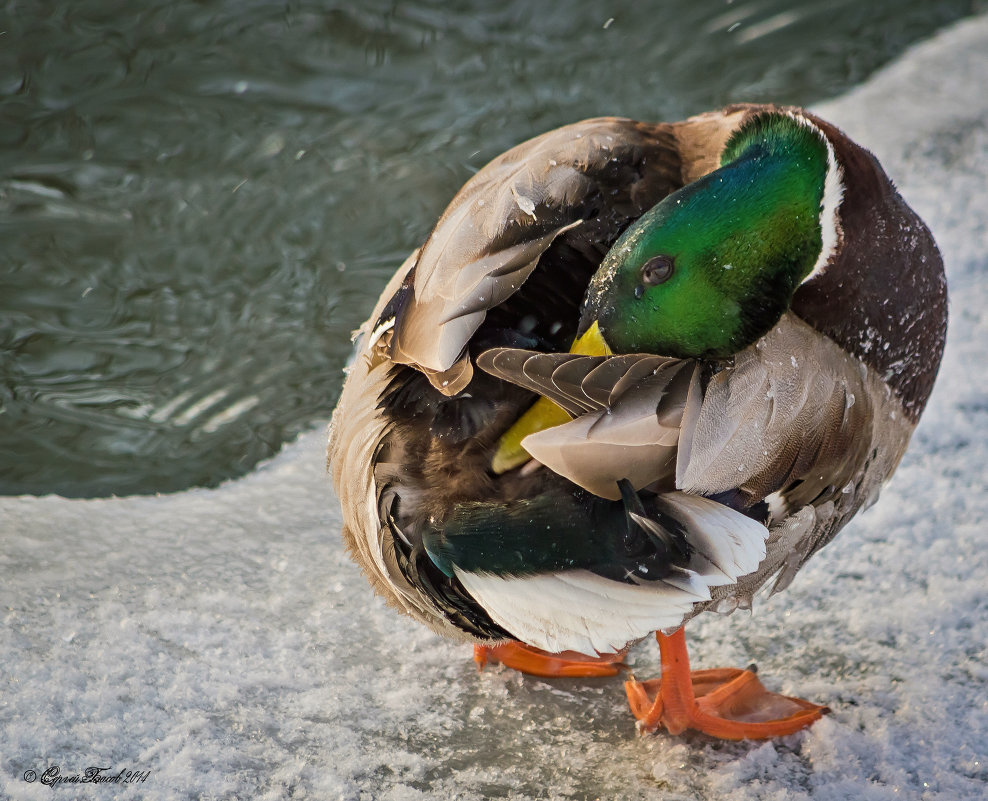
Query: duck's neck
[{"x": 884, "y": 296}]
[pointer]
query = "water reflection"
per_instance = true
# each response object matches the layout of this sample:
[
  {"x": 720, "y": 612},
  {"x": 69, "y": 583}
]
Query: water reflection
[{"x": 200, "y": 200}]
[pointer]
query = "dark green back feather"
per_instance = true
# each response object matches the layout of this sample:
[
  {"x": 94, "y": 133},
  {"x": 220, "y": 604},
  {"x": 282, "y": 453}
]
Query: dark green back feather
[{"x": 562, "y": 530}]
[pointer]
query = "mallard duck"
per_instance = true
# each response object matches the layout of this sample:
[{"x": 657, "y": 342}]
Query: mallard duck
[{"x": 637, "y": 372}]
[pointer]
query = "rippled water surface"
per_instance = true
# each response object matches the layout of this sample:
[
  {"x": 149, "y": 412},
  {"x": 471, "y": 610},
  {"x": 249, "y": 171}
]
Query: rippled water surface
[{"x": 200, "y": 200}]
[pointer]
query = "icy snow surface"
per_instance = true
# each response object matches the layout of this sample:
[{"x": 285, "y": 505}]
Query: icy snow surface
[{"x": 223, "y": 641}]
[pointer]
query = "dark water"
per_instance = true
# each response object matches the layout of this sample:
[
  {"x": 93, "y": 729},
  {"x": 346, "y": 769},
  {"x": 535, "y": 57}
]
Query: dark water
[{"x": 200, "y": 200}]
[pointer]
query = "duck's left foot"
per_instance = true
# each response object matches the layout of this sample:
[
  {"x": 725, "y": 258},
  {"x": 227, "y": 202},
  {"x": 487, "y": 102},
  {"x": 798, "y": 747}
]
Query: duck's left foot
[
  {"x": 536, "y": 662},
  {"x": 730, "y": 704}
]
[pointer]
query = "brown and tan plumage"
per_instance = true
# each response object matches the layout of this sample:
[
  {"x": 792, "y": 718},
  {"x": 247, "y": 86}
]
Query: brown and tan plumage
[{"x": 673, "y": 482}]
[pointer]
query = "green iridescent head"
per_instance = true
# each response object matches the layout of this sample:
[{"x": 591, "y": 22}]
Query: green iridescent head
[{"x": 714, "y": 266}]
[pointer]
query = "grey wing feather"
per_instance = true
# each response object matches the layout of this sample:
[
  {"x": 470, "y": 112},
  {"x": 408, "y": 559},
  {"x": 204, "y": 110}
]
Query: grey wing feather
[
  {"x": 792, "y": 415},
  {"x": 576, "y": 383},
  {"x": 627, "y": 413},
  {"x": 803, "y": 425}
]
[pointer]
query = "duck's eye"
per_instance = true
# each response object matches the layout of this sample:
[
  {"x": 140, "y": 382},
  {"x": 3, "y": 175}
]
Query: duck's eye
[{"x": 657, "y": 270}]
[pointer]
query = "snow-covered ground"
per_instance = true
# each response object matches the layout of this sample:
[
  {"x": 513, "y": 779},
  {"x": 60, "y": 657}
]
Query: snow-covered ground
[{"x": 223, "y": 641}]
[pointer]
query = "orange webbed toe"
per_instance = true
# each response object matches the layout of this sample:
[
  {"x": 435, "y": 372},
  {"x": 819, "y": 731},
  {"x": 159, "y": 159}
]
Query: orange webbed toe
[
  {"x": 537, "y": 662},
  {"x": 730, "y": 704}
]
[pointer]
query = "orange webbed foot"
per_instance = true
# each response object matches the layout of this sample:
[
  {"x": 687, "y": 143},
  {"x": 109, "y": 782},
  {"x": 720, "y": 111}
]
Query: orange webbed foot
[
  {"x": 536, "y": 662},
  {"x": 730, "y": 704}
]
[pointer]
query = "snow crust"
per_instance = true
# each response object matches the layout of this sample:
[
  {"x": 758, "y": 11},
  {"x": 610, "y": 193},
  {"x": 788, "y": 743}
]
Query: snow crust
[{"x": 223, "y": 641}]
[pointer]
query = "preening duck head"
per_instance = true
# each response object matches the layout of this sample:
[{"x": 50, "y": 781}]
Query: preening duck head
[{"x": 713, "y": 266}]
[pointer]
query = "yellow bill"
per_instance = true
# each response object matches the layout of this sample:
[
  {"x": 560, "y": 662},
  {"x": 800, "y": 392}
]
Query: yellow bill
[{"x": 543, "y": 413}]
